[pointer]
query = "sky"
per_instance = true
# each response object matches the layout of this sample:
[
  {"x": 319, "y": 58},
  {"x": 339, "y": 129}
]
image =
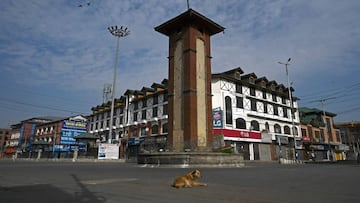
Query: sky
[{"x": 56, "y": 56}]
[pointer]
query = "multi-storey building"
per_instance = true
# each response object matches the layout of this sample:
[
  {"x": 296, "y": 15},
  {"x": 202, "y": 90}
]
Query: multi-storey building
[
  {"x": 350, "y": 135},
  {"x": 322, "y": 141},
  {"x": 137, "y": 114},
  {"x": 255, "y": 115},
  {"x": 22, "y": 134},
  {"x": 257, "y": 118},
  {"x": 57, "y": 138},
  {"x": 4, "y": 136}
]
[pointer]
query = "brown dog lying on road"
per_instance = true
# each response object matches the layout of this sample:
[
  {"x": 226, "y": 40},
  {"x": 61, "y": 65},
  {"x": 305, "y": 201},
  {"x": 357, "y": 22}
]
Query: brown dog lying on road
[{"x": 188, "y": 180}]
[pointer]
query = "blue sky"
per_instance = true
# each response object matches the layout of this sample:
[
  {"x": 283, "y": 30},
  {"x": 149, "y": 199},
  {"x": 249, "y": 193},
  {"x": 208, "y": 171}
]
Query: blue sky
[{"x": 55, "y": 56}]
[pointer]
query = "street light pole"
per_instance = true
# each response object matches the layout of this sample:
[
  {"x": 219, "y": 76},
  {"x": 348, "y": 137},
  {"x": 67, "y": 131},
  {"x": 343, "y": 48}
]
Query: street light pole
[
  {"x": 291, "y": 103},
  {"x": 117, "y": 32}
]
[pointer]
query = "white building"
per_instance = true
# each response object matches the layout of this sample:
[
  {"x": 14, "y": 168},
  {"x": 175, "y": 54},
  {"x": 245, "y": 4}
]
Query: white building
[{"x": 253, "y": 115}]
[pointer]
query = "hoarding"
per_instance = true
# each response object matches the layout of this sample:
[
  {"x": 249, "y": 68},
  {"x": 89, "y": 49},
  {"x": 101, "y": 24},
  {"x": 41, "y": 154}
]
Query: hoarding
[
  {"x": 217, "y": 118},
  {"x": 108, "y": 151}
]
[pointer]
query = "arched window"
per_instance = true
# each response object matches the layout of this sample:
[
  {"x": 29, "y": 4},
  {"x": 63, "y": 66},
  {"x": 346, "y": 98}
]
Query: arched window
[
  {"x": 255, "y": 125},
  {"x": 295, "y": 130},
  {"x": 267, "y": 127},
  {"x": 155, "y": 129},
  {"x": 287, "y": 130},
  {"x": 228, "y": 110},
  {"x": 240, "y": 123},
  {"x": 277, "y": 128}
]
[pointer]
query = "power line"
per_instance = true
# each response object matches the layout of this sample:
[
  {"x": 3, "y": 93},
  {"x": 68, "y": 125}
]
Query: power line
[{"x": 41, "y": 107}]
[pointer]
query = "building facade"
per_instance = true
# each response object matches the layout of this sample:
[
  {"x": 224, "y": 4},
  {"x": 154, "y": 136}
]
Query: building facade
[
  {"x": 22, "y": 135},
  {"x": 57, "y": 138},
  {"x": 350, "y": 135},
  {"x": 322, "y": 141},
  {"x": 256, "y": 115},
  {"x": 4, "y": 136},
  {"x": 259, "y": 124},
  {"x": 138, "y": 114}
]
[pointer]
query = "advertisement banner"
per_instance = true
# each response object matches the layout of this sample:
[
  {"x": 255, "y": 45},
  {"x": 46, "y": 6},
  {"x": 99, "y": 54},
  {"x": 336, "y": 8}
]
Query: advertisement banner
[
  {"x": 108, "y": 151},
  {"x": 217, "y": 115}
]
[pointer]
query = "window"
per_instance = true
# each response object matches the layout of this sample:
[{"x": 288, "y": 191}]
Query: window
[
  {"x": 295, "y": 130},
  {"x": 135, "y": 132},
  {"x": 144, "y": 103},
  {"x": 143, "y": 114},
  {"x": 165, "y": 97},
  {"x": 252, "y": 91},
  {"x": 239, "y": 88},
  {"x": 240, "y": 123},
  {"x": 285, "y": 113},
  {"x": 239, "y": 102},
  {"x": 276, "y": 112},
  {"x": 274, "y": 98},
  {"x": 136, "y": 106},
  {"x": 155, "y": 100},
  {"x": 303, "y": 132},
  {"x": 228, "y": 110},
  {"x": 287, "y": 130},
  {"x": 267, "y": 127},
  {"x": 253, "y": 105},
  {"x": 165, "y": 109},
  {"x": 283, "y": 100},
  {"x": 277, "y": 128},
  {"x": 135, "y": 116},
  {"x": 121, "y": 120},
  {"x": 143, "y": 132},
  {"x": 265, "y": 107},
  {"x": 255, "y": 125},
  {"x": 264, "y": 95},
  {"x": 165, "y": 128},
  {"x": 155, "y": 112},
  {"x": 155, "y": 129}
]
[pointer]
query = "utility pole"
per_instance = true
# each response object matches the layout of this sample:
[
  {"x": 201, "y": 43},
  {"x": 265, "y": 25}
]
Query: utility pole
[
  {"x": 322, "y": 101},
  {"x": 291, "y": 104}
]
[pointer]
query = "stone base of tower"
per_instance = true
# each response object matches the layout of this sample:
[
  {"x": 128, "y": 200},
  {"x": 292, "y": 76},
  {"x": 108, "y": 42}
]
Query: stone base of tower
[{"x": 191, "y": 159}]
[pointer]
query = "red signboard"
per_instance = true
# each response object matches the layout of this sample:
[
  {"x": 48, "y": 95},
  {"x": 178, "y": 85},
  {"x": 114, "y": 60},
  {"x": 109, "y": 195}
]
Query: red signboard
[{"x": 238, "y": 133}]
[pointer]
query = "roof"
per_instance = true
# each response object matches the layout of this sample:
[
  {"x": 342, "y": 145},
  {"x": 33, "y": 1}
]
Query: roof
[{"x": 189, "y": 17}]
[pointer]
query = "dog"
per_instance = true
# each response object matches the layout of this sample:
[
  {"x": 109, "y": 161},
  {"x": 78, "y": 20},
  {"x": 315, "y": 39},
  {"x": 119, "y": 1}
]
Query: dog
[{"x": 188, "y": 180}]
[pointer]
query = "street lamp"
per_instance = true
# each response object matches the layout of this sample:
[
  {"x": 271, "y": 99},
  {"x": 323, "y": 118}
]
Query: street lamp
[
  {"x": 117, "y": 32},
  {"x": 291, "y": 103}
]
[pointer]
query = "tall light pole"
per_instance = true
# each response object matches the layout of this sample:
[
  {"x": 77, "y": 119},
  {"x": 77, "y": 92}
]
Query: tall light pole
[
  {"x": 117, "y": 32},
  {"x": 291, "y": 103}
]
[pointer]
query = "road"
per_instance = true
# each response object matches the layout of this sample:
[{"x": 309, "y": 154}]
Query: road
[{"x": 30, "y": 181}]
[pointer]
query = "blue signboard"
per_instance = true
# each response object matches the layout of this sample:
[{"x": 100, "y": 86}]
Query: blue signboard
[{"x": 70, "y": 129}]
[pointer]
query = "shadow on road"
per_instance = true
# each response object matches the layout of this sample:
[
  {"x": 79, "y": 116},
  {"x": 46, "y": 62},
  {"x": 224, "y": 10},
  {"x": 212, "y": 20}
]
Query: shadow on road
[{"x": 47, "y": 193}]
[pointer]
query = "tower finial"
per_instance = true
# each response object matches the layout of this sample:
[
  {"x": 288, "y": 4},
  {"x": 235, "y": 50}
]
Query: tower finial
[{"x": 188, "y": 5}]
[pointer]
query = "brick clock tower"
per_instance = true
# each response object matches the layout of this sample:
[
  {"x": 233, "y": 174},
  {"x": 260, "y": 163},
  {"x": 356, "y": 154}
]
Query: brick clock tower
[{"x": 189, "y": 90}]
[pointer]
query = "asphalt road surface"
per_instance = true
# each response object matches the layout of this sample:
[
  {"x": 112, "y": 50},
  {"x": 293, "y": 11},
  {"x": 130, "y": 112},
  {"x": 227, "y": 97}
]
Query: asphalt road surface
[{"x": 30, "y": 181}]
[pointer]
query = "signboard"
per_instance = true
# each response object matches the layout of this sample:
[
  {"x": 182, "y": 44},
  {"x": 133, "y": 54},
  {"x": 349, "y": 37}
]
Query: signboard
[
  {"x": 70, "y": 128},
  {"x": 282, "y": 139},
  {"x": 266, "y": 137},
  {"x": 108, "y": 151},
  {"x": 237, "y": 134},
  {"x": 217, "y": 115}
]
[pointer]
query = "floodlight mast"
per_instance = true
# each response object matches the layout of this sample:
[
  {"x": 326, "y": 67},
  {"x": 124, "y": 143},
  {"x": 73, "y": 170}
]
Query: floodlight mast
[{"x": 117, "y": 32}]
